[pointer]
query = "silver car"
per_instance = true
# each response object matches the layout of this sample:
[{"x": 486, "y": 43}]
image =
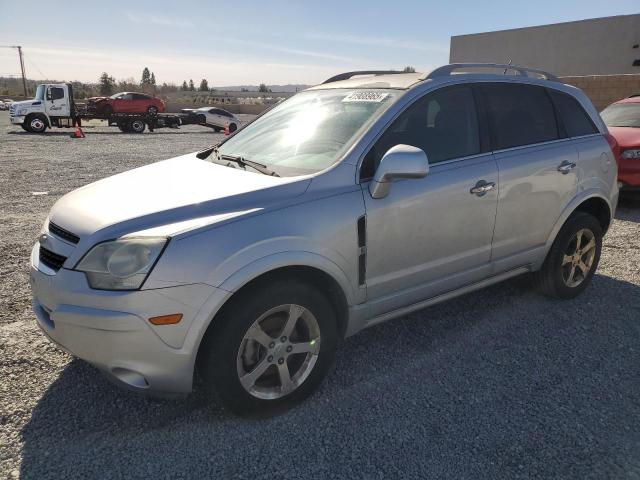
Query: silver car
[
  {"x": 356, "y": 201},
  {"x": 216, "y": 118}
]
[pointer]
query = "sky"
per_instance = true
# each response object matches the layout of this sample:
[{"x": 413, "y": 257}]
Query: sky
[{"x": 246, "y": 42}]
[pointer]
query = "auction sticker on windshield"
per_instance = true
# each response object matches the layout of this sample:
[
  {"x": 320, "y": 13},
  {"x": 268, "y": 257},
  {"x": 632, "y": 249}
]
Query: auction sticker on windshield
[{"x": 375, "y": 97}]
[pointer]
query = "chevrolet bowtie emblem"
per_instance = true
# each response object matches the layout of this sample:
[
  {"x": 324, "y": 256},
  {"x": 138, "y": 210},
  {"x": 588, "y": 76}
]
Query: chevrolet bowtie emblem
[{"x": 42, "y": 238}]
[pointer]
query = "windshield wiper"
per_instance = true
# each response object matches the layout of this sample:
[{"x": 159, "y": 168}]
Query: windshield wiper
[
  {"x": 206, "y": 152},
  {"x": 243, "y": 162}
]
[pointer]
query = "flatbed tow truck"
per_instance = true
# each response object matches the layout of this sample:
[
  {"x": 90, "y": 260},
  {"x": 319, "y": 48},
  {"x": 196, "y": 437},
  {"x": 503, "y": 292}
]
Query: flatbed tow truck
[{"x": 54, "y": 106}]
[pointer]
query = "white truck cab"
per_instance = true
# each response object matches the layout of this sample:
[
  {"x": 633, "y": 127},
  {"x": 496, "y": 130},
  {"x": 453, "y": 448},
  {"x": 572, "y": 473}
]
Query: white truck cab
[{"x": 52, "y": 106}]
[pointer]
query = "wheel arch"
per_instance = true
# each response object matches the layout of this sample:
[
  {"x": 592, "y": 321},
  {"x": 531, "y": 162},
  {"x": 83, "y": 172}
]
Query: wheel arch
[
  {"x": 592, "y": 202},
  {"x": 314, "y": 275},
  {"x": 42, "y": 115}
]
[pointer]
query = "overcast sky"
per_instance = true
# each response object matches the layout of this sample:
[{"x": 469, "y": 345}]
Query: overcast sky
[{"x": 275, "y": 42}]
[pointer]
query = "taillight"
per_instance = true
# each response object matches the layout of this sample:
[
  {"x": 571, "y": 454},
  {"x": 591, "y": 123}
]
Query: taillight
[{"x": 613, "y": 144}]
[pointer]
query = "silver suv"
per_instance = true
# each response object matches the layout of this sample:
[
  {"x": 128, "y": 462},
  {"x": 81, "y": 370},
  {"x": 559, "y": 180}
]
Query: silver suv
[{"x": 356, "y": 201}]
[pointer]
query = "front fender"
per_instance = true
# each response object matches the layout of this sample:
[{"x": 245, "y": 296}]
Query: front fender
[{"x": 287, "y": 259}]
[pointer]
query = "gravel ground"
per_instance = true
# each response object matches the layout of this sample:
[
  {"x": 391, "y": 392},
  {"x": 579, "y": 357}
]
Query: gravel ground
[{"x": 502, "y": 383}]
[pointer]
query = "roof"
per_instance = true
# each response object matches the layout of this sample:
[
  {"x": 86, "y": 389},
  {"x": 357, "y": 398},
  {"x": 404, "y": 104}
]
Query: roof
[{"x": 398, "y": 80}]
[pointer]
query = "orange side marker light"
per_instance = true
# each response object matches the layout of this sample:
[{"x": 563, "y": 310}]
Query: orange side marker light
[{"x": 166, "y": 319}]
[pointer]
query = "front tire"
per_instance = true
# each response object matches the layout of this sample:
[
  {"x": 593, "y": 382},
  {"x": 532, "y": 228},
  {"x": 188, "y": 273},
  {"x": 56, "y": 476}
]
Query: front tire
[
  {"x": 573, "y": 258},
  {"x": 270, "y": 347},
  {"x": 36, "y": 124},
  {"x": 233, "y": 127}
]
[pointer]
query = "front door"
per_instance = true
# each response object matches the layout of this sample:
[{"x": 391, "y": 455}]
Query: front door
[
  {"x": 57, "y": 101},
  {"x": 434, "y": 234}
]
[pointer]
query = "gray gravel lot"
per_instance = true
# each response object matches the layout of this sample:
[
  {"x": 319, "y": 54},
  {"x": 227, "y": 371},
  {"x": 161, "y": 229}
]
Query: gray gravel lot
[{"x": 502, "y": 383}]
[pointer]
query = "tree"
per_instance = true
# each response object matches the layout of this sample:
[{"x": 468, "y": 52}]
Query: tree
[
  {"x": 204, "y": 85},
  {"x": 146, "y": 77},
  {"x": 152, "y": 80},
  {"x": 185, "y": 87},
  {"x": 106, "y": 84},
  {"x": 263, "y": 88},
  {"x": 409, "y": 69},
  {"x": 192, "y": 87}
]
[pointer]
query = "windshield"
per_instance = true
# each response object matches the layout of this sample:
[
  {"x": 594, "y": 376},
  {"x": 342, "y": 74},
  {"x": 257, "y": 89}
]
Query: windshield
[
  {"x": 622, "y": 115},
  {"x": 310, "y": 131},
  {"x": 40, "y": 92}
]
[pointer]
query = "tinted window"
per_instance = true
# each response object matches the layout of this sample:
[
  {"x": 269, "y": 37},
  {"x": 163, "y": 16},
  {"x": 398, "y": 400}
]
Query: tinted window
[
  {"x": 575, "y": 120},
  {"x": 138, "y": 96},
  {"x": 55, "y": 93},
  {"x": 444, "y": 124},
  {"x": 519, "y": 114}
]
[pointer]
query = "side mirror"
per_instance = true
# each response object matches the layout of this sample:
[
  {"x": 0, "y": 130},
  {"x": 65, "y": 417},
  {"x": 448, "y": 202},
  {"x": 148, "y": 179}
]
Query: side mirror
[{"x": 401, "y": 161}]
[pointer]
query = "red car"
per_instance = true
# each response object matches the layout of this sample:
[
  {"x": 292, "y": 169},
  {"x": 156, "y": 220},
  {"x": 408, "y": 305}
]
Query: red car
[
  {"x": 126, "y": 102},
  {"x": 623, "y": 120}
]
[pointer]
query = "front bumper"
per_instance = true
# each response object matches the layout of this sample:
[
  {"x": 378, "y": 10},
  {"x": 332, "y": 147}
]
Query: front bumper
[
  {"x": 17, "y": 120},
  {"x": 111, "y": 330}
]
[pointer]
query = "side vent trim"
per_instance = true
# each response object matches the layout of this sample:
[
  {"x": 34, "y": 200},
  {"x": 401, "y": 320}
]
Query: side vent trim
[{"x": 362, "y": 250}]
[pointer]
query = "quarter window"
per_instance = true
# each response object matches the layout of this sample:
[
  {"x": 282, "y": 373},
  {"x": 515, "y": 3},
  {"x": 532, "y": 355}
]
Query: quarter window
[
  {"x": 444, "y": 124},
  {"x": 575, "y": 120},
  {"x": 519, "y": 114}
]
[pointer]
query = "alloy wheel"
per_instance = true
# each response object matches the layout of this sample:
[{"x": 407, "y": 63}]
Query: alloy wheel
[
  {"x": 578, "y": 258},
  {"x": 278, "y": 351}
]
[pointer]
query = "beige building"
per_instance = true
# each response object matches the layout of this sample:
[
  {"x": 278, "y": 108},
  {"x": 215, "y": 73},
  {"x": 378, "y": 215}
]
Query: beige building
[{"x": 601, "y": 55}]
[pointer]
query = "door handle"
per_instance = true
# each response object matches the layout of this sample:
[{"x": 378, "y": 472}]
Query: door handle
[
  {"x": 565, "y": 167},
  {"x": 482, "y": 187}
]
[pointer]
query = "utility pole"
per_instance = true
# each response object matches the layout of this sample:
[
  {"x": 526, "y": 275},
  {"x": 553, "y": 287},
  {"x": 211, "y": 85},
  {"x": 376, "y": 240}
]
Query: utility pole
[{"x": 24, "y": 80}]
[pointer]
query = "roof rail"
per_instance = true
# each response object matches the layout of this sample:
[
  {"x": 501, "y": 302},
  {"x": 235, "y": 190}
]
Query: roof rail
[
  {"x": 448, "y": 70},
  {"x": 348, "y": 75}
]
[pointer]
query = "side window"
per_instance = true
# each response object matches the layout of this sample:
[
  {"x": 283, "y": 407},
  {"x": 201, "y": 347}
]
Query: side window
[
  {"x": 519, "y": 115},
  {"x": 125, "y": 96},
  {"x": 444, "y": 124},
  {"x": 56, "y": 93},
  {"x": 575, "y": 120},
  {"x": 137, "y": 96}
]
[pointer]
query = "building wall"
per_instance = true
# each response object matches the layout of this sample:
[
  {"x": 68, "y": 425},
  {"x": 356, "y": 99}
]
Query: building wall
[
  {"x": 601, "y": 46},
  {"x": 605, "y": 89}
]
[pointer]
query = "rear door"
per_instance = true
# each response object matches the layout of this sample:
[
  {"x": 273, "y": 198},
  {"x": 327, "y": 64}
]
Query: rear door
[
  {"x": 432, "y": 234},
  {"x": 536, "y": 164}
]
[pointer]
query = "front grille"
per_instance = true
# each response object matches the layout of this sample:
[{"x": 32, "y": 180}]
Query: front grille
[
  {"x": 51, "y": 259},
  {"x": 12, "y": 110},
  {"x": 62, "y": 233}
]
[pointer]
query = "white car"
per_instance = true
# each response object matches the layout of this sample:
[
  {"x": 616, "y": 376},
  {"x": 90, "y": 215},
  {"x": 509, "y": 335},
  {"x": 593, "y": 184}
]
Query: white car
[{"x": 217, "y": 118}]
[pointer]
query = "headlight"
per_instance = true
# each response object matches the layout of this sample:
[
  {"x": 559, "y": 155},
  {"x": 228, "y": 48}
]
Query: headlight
[
  {"x": 630, "y": 154},
  {"x": 121, "y": 264},
  {"x": 23, "y": 111}
]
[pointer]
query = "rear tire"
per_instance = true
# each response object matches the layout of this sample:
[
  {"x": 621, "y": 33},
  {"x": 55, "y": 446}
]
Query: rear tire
[
  {"x": 107, "y": 111},
  {"x": 123, "y": 127},
  {"x": 136, "y": 126},
  {"x": 152, "y": 110},
  {"x": 232, "y": 127},
  {"x": 573, "y": 258},
  {"x": 302, "y": 353}
]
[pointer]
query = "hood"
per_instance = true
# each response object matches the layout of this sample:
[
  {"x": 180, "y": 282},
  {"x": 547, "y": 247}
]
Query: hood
[
  {"x": 25, "y": 103},
  {"x": 167, "y": 193},
  {"x": 627, "y": 137}
]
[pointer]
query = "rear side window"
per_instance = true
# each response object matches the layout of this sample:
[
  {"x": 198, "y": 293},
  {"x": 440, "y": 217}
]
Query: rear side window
[
  {"x": 138, "y": 96},
  {"x": 575, "y": 120},
  {"x": 519, "y": 115},
  {"x": 444, "y": 124}
]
